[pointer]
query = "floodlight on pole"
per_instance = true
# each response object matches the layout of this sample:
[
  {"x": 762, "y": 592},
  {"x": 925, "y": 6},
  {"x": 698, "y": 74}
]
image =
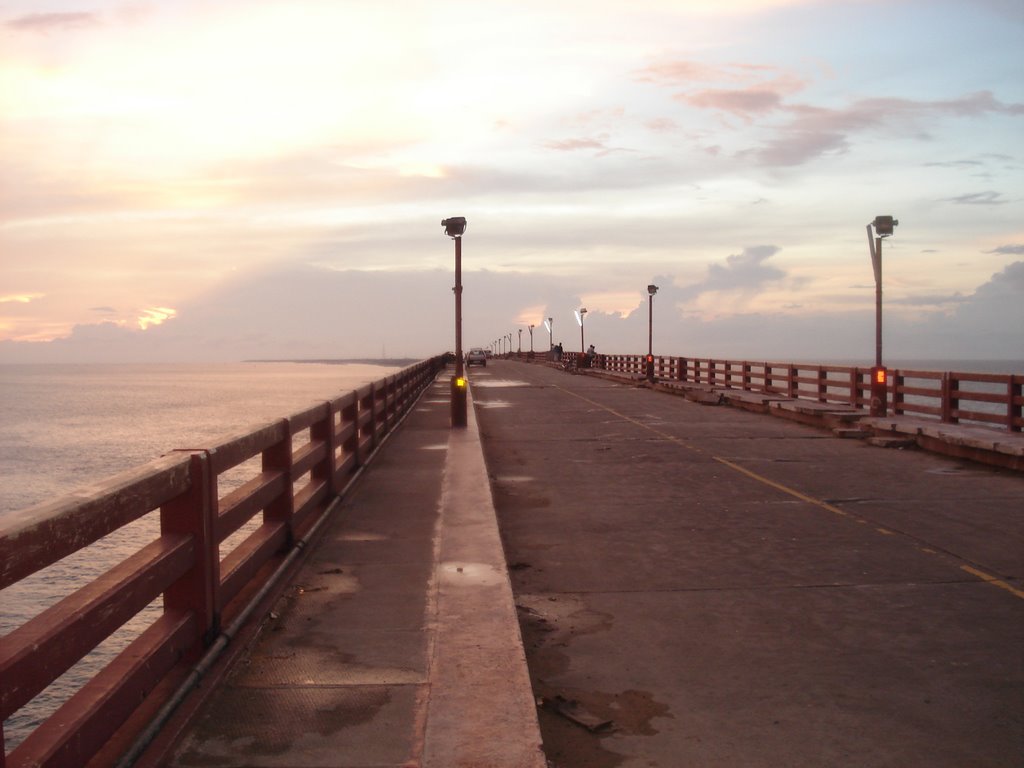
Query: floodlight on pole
[
  {"x": 651, "y": 290},
  {"x": 883, "y": 226},
  {"x": 455, "y": 227},
  {"x": 580, "y": 314}
]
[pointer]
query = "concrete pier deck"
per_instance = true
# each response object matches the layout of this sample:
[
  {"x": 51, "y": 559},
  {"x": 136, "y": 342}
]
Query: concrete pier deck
[
  {"x": 722, "y": 588},
  {"x": 694, "y": 586}
]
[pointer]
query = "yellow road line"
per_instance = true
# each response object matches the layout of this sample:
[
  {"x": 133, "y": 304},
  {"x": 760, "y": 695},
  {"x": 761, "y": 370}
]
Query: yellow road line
[
  {"x": 988, "y": 578},
  {"x": 780, "y": 487}
]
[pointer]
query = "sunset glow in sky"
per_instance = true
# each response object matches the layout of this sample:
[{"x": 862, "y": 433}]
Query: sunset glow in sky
[{"x": 188, "y": 180}]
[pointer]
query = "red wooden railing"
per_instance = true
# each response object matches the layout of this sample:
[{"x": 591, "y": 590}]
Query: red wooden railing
[
  {"x": 305, "y": 460},
  {"x": 952, "y": 397}
]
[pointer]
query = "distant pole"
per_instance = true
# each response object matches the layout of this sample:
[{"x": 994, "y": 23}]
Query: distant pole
[
  {"x": 651, "y": 290},
  {"x": 551, "y": 333},
  {"x": 583, "y": 345},
  {"x": 531, "y": 340},
  {"x": 520, "y": 350},
  {"x": 459, "y": 370},
  {"x": 878, "y": 304}
]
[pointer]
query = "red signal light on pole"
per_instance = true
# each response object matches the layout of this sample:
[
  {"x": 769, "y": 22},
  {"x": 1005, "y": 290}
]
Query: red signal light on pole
[{"x": 879, "y": 390}]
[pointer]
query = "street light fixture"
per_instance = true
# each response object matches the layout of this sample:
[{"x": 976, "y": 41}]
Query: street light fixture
[
  {"x": 884, "y": 226},
  {"x": 531, "y": 342},
  {"x": 651, "y": 290},
  {"x": 550, "y": 325},
  {"x": 579, "y": 318},
  {"x": 455, "y": 227}
]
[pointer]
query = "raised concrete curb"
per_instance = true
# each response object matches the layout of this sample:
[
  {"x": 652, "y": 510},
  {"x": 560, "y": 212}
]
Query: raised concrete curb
[
  {"x": 481, "y": 712},
  {"x": 977, "y": 443}
]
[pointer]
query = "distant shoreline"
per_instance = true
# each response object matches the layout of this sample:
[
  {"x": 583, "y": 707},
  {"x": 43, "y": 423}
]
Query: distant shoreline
[{"x": 400, "y": 362}]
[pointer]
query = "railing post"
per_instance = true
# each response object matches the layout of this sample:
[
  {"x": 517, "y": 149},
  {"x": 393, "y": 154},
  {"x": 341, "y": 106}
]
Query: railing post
[
  {"x": 370, "y": 404},
  {"x": 855, "y": 387},
  {"x": 323, "y": 431},
  {"x": 350, "y": 415},
  {"x": 1014, "y": 390},
  {"x": 193, "y": 514},
  {"x": 898, "y": 395},
  {"x": 278, "y": 458},
  {"x": 950, "y": 403},
  {"x": 384, "y": 412},
  {"x": 791, "y": 383}
]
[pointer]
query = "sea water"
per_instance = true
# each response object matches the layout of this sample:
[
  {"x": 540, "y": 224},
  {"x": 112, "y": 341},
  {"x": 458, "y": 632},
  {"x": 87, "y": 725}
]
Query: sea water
[{"x": 65, "y": 426}]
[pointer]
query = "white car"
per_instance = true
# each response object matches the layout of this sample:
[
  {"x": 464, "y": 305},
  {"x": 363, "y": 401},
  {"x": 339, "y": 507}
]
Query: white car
[{"x": 476, "y": 356}]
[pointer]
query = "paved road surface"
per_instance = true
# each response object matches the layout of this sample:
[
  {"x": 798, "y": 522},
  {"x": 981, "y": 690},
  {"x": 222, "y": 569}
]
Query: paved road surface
[{"x": 731, "y": 589}]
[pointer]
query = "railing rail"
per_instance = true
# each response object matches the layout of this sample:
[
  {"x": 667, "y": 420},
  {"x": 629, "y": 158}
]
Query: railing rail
[
  {"x": 948, "y": 396},
  {"x": 305, "y": 460}
]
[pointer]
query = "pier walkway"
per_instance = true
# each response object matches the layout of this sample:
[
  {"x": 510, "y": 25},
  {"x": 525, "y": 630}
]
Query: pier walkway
[
  {"x": 695, "y": 586},
  {"x": 397, "y": 643}
]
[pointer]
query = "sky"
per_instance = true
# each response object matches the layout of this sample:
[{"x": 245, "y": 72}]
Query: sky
[{"x": 188, "y": 181}]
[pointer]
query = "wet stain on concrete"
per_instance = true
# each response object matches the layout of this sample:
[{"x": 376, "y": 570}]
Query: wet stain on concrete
[{"x": 549, "y": 624}]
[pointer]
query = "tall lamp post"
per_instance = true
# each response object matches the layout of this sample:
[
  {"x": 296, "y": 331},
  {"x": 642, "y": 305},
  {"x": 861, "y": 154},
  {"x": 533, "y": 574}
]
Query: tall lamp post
[
  {"x": 579, "y": 316},
  {"x": 531, "y": 342},
  {"x": 651, "y": 290},
  {"x": 550, "y": 323},
  {"x": 509, "y": 337},
  {"x": 520, "y": 350},
  {"x": 879, "y": 375},
  {"x": 455, "y": 227}
]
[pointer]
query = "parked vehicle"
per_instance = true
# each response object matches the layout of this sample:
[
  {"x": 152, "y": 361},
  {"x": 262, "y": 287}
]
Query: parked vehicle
[{"x": 476, "y": 356}]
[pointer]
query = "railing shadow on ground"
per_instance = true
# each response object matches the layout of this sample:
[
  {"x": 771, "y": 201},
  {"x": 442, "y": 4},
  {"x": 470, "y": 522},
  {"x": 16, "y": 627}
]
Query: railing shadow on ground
[{"x": 208, "y": 555}]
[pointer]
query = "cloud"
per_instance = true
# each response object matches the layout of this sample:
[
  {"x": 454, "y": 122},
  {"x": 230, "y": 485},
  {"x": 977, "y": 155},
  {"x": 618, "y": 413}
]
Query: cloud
[
  {"x": 316, "y": 312},
  {"x": 20, "y": 298},
  {"x": 978, "y": 198},
  {"x": 574, "y": 145},
  {"x": 1016, "y": 249},
  {"x": 1007, "y": 283},
  {"x": 47, "y": 22},
  {"x": 745, "y": 103},
  {"x": 806, "y": 131},
  {"x": 683, "y": 71},
  {"x": 155, "y": 316},
  {"x": 811, "y": 131},
  {"x": 814, "y": 131},
  {"x": 599, "y": 143},
  {"x": 744, "y": 272},
  {"x": 955, "y": 164},
  {"x": 925, "y": 300}
]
